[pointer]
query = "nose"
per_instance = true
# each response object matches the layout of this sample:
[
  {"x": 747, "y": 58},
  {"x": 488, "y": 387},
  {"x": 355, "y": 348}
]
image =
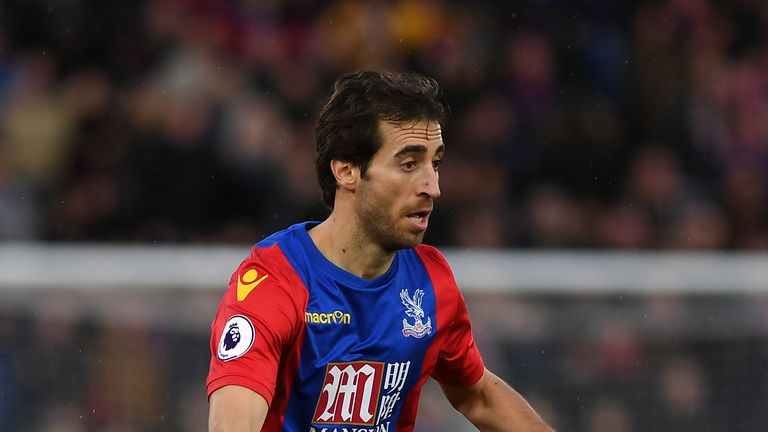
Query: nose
[{"x": 430, "y": 184}]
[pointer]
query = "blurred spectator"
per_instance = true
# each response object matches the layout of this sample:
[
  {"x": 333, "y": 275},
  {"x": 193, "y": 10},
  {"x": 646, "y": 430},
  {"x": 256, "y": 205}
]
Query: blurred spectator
[
  {"x": 555, "y": 219},
  {"x": 19, "y": 204},
  {"x": 609, "y": 415},
  {"x": 746, "y": 204},
  {"x": 36, "y": 120},
  {"x": 624, "y": 226},
  {"x": 683, "y": 394}
]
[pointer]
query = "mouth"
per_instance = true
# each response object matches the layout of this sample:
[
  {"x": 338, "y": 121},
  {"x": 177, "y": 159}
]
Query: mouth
[{"x": 420, "y": 219}]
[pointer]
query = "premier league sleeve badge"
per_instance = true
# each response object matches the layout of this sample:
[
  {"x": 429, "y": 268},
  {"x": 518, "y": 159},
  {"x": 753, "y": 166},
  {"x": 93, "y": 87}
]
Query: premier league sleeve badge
[{"x": 236, "y": 338}]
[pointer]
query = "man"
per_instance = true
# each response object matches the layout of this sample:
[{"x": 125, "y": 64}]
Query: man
[{"x": 335, "y": 326}]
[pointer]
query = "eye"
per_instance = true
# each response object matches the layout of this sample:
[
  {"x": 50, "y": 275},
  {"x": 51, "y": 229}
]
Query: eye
[
  {"x": 436, "y": 164},
  {"x": 409, "y": 166}
]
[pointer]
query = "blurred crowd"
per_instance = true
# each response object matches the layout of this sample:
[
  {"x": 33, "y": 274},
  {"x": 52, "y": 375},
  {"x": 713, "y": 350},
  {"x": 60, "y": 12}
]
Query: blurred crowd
[
  {"x": 663, "y": 363},
  {"x": 575, "y": 124}
]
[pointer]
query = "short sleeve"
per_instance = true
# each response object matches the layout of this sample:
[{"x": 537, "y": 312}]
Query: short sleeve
[
  {"x": 257, "y": 320},
  {"x": 459, "y": 362}
]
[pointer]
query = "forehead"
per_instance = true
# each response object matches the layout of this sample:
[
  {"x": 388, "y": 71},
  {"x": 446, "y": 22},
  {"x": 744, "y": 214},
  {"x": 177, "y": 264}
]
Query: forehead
[{"x": 423, "y": 132}]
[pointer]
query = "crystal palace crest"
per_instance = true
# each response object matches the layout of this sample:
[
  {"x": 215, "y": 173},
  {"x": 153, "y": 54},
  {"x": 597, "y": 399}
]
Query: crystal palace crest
[{"x": 413, "y": 309}]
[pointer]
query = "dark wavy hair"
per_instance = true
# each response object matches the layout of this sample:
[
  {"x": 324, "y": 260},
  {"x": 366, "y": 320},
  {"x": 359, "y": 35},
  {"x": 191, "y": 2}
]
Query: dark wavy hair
[{"x": 348, "y": 126}]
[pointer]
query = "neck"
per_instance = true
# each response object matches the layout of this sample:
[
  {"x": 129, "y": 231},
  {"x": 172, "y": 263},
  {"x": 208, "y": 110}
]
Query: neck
[{"x": 342, "y": 241}]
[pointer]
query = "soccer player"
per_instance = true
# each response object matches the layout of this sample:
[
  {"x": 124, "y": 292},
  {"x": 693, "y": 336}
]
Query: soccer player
[{"x": 335, "y": 326}]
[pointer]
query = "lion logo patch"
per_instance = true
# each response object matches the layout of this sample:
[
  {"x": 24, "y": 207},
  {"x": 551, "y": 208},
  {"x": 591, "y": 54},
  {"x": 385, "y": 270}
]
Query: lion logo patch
[{"x": 236, "y": 338}]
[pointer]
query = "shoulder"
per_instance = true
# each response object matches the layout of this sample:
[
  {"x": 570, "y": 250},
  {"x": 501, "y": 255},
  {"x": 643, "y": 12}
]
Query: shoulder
[
  {"x": 266, "y": 271},
  {"x": 438, "y": 268},
  {"x": 428, "y": 251},
  {"x": 432, "y": 258},
  {"x": 272, "y": 254}
]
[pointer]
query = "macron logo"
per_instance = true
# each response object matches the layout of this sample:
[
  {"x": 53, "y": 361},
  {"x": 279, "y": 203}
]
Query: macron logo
[
  {"x": 247, "y": 281},
  {"x": 336, "y": 317}
]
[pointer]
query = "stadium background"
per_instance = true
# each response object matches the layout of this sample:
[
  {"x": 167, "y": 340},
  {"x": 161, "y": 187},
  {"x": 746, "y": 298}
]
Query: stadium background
[{"x": 577, "y": 126}]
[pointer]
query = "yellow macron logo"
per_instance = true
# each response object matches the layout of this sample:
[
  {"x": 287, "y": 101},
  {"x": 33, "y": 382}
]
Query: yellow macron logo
[
  {"x": 247, "y": 281},
  {"x": 336, "y": 317}
]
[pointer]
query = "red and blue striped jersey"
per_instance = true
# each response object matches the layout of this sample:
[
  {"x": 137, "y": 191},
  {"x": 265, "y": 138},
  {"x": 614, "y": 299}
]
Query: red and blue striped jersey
[{"x": 331, "y": 351}]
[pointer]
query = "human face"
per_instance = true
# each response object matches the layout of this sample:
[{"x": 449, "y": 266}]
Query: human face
[{"x": 396, "y": 195}]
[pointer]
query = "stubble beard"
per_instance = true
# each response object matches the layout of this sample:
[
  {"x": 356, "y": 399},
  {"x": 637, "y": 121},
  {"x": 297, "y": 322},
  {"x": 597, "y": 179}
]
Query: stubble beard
[{"x": 378, "y": 226}]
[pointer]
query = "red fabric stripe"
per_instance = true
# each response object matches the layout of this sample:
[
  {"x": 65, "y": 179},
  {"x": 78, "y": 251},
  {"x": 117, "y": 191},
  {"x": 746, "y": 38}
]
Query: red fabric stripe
[
  {"x": 445, "y": 310},
  {"x": 461, "y": 362},
  {"x": 291, "y": 358}
]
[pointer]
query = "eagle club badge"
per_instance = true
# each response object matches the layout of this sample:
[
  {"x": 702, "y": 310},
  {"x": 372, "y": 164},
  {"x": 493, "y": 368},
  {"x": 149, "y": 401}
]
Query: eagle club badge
[{"x": 413, "y": 309}]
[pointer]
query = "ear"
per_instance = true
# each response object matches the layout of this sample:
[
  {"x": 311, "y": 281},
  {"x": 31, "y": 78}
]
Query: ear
[{"x": 346, "y": 173}]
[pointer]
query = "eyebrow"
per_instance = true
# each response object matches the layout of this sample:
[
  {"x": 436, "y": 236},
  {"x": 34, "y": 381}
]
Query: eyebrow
[{"x": 419, "y": 148}]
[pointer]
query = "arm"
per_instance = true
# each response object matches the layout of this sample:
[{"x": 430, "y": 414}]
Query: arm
[
  {"x": 491, "y": 405},
  {"x": 257, "y": 323},
  {"x": 236, "y": 409}
]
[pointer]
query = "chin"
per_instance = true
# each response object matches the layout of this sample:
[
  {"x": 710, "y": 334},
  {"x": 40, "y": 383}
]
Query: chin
[
  {"x": 407, "y": 241},
  {"x": 411, "y": 240}
]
